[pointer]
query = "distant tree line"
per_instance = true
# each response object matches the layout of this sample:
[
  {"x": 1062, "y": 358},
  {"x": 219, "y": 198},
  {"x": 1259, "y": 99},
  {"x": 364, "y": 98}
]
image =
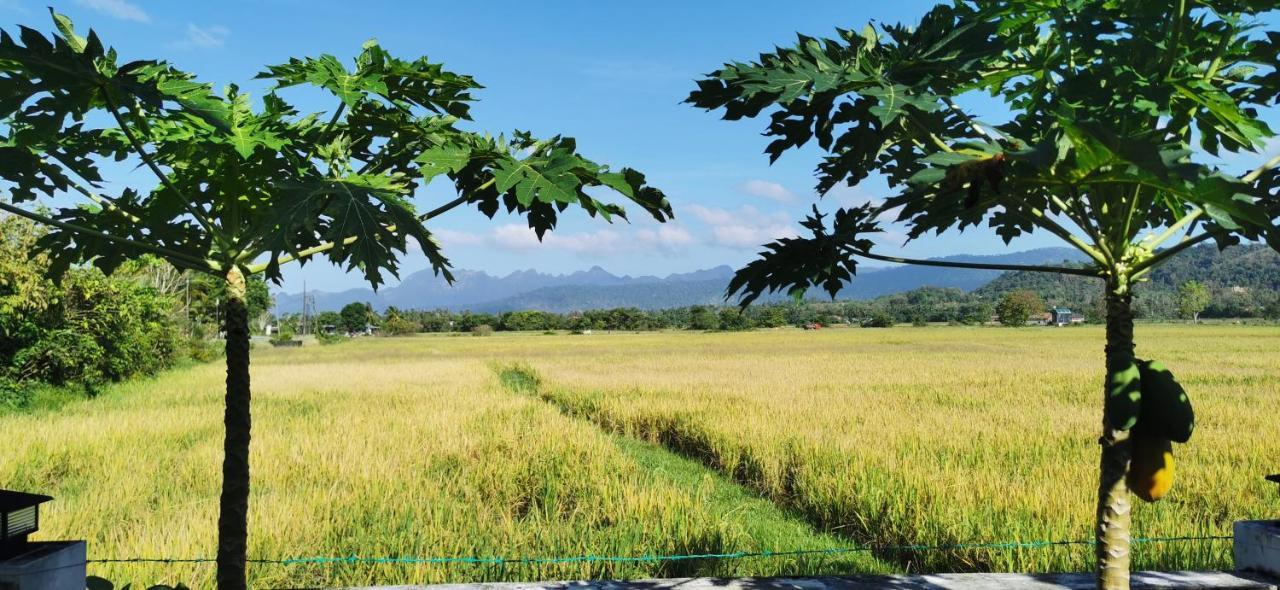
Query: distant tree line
[
  {"x": 1013, "y": 299},
  {"x": 927, "y": 305},
  {"x": 356, "y": 317},
  {"x": 1240, "y": 282}
]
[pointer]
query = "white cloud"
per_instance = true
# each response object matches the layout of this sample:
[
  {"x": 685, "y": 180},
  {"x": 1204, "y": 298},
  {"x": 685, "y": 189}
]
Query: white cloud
[
  {"x": 449, "y": 237},
  {"x": 520, "y": 238},
  {"x": 118, "y": 9},
  {"x": 197, "y": 37},
  {"x": 891, "y": 237},
  {"x": 849, "y": 196},
  {"x": 599, "y": 242},
  {"x": 856, "y": 196},
  {"x": 666, "y": 236},
  {"x": 745, "y": 227},
  {"x": 768, "y": 190},
  {"x": 715, "y": 215},
  {"x": 513, "y": 236}
]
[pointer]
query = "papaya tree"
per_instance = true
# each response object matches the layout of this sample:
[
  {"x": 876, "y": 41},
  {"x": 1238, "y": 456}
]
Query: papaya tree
[
  {"x": 1111, "y": 122},
  {"x": 242, "y": 186}
]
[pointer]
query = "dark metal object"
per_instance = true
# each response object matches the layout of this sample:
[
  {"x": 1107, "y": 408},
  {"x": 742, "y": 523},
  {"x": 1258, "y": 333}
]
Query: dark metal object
[{"x": 19, "y": 517}]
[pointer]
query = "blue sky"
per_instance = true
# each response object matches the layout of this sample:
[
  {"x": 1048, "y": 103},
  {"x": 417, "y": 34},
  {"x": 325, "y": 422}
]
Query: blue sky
[{"x": 611, "y": 74}]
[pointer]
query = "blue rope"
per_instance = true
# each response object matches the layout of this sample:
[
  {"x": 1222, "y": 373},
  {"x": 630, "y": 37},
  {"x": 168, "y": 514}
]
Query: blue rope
[{"x": 504, "y": 561}]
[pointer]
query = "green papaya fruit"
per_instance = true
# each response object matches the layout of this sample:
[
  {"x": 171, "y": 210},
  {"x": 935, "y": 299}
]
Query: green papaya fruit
[
  {"x": 1166, "y": 409},
  {"x": 1124, "y": 392}
]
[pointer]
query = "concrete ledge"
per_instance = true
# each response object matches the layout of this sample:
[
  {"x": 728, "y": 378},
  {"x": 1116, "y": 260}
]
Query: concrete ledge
[
  {"x": 1257, "y": 546},
  {"x": 50, "y": 565},
  {"x": 1139, "y": 581}
]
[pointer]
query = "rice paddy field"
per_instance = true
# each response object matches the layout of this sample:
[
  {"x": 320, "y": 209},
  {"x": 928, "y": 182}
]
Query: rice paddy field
[{"x": 524, "y": 445}]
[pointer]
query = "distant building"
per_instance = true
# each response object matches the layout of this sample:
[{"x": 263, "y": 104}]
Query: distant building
[{"x": 1061, "y": 316}]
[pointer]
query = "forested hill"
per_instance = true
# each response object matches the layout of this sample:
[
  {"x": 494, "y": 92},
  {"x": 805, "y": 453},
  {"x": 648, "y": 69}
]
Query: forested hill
[
  {"x": 1254, "y": 267},
  {"x": 1244, "y": 281},
  {"x": 1241, "y": 279},
  {"x": 599, "y": 289}
]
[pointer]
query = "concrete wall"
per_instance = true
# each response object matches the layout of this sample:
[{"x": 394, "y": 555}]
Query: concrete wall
[
  {"x": 56, "y": 565},
  {"x": 1257, "y": 546}
]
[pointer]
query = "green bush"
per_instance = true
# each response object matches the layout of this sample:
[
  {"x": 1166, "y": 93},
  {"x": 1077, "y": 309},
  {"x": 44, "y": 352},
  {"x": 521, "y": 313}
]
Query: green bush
[
  {"x": 703, "y": 318},
  {"x": 399, "y": 326},
  {"x": 202, "y": 350},
  {"x": 1017, "y": 307},
  {"x": 98, "y": 329},
  {"x": 879, "y": 319},
  {"x": 329, "y": 338},
  {"x": 88, "y": 328},
  {"x": 13, "y": 396},
  {"x": 60, "y": 357},
  {"x": 284, "y": 335},
  {"x": 732, "y": 319}
]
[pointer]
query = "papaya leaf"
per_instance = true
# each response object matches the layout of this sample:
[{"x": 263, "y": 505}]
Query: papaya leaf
[
  {"x": 444, "y": 159},
  {"x": 794, "y": 265},
  {"x": 1111, "y": 113}
]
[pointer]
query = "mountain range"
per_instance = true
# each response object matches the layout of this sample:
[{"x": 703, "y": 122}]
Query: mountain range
[{"x": 597, "y": 288}]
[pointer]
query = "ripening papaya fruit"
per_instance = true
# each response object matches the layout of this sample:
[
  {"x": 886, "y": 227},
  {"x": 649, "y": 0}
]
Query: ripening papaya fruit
[
  {"x": 1166, "y": 409},
  {"x": 1123, "y": 403},
  {"x": 1151, "y": 467}
]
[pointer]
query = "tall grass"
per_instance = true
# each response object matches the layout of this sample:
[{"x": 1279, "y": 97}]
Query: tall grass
[
  {"x": 940, "y": 436},
  {"x": 382, "y": 448},
  {"x": 425, "y": 446}
]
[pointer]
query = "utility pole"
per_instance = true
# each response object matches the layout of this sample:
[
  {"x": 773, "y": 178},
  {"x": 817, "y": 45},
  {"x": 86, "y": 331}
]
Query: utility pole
[{"x": 305, "y": 317}]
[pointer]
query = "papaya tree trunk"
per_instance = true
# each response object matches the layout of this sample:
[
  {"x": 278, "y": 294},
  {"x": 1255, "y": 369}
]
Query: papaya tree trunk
[
  {"x": 1113, "y": 515},
  {"x": 233, "y": 516}
]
